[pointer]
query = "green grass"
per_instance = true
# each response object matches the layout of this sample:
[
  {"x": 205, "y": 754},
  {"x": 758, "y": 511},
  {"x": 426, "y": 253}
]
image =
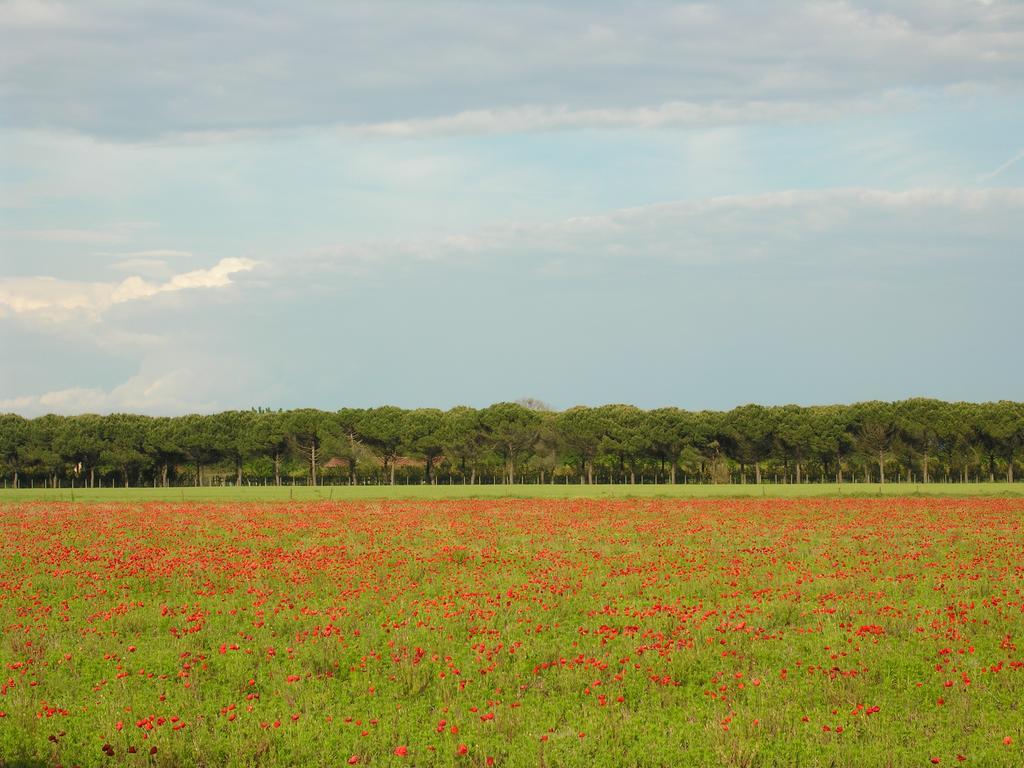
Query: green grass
[{"x": 573, "y": 491}]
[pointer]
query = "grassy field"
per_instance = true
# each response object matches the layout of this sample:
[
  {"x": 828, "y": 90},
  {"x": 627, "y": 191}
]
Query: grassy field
[
  {"x": 441, "y": 492},
  {"x": 749, "y": 633}
]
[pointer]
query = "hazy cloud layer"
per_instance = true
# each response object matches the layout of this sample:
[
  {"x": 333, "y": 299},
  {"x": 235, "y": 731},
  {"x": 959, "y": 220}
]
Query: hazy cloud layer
[
  {"x": 674, "y": 114},
  {"x": 138, "y": 70},
  {"x": 781, "y": 228}
]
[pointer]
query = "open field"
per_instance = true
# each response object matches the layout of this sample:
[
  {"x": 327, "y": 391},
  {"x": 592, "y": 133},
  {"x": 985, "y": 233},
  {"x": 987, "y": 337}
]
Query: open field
[
  {"x": 441, "y": 492},
  {"x": 735, "y": 632}
]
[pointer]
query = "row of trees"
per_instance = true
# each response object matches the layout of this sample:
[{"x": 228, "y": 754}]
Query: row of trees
[{"x": 915, "y": 440}]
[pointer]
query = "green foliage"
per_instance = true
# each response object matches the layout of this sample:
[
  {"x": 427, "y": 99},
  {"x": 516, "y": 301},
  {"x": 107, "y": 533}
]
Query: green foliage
[{"x": 917, "y": 441}]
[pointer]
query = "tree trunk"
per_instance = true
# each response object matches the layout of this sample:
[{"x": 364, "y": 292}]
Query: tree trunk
[
  {"x": 163, "y": 475},
  {"x": 798, "y": 473},
  {"x": 925, "y": 468},
  {"x": 757, "y": 472},
  {"x": 590, "y": 473},
  {"x": 392, "y": 472},
  {"x": 672, "y": 473},
  {"x": 238, "y": 469},
  {"x": 277, "y": 467},
  {"x": 881, "y": 469},
  {"x": 92, "y": 477},
  {"x": 312, "y": 462}
]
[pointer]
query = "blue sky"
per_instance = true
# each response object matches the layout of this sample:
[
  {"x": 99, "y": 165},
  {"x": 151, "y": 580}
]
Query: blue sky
[{"x": 224, "y": 205}]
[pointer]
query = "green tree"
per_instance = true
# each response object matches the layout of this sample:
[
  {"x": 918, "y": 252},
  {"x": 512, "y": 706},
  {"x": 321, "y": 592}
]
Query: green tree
[
  {"x": 511, "y": 430},
  {"x": 14, "y": 431},
  {"x": 462, "y": 439},
  {"x": 124, "y": 438},
  {"x": 238, "y": 437},
  {"x": 270, "y": 438},
  {"x": 671, "y": 431},
  {"x": 626, "y": 438},
  {"x": 749, "y": 432},
  {"x": 794, "y": 435},
  {"x": 199, "y": 441},
  {"x": 1001, "y": 430},
  {"x": 919, "y": 422},
  {"x": 582, "y": 431},
  {"x": 383, "y": 431},
  {"x": 311, "y": 433},
  {"x": 40, "y": 455},
  {"x": 163, "y": 447},
  {"x": 80, "y": 442},
  {"x": 875, "y": 429},
  {"x": 423, "y": 437}
]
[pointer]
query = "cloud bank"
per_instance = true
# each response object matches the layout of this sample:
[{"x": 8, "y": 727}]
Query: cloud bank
[{"x": 143, "y": 70}]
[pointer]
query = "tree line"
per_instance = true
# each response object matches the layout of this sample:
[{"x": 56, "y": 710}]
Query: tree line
[{"x": 918, "y": 440}]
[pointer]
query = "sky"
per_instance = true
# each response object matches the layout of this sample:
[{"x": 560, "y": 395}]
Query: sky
[{"x": 207, "y": 206}]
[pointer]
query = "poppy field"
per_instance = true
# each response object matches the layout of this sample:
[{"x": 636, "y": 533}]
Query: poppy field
[{"x": 514, "y": 632}]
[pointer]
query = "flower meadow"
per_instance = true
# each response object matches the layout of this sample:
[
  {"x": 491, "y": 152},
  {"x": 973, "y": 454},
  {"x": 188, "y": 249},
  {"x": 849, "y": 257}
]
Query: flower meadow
[{"x": 810, "y": 632}]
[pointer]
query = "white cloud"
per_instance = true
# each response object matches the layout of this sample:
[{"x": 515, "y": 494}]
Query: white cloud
[
  {"x": 33, "y": 13},
  {"x": 54, "y": 299},
  {"x": 525, "y": 119},
  {"x": 173, "y": 391},
  {"x": 815, "y": 226}
]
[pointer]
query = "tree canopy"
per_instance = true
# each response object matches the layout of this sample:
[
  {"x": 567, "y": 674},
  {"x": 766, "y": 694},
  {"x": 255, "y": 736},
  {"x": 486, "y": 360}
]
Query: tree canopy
[{"x": 917, "y": 440}]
